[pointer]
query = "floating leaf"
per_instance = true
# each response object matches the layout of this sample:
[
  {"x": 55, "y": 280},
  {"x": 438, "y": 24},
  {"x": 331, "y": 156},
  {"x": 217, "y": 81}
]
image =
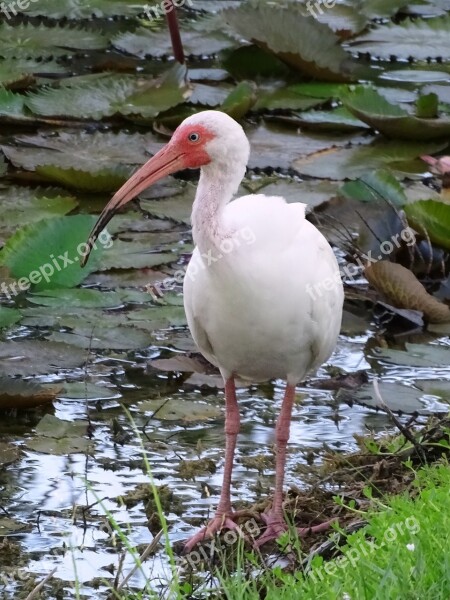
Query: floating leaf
[
  {"x": 196, "y": 41},
  {"x": 83, "y": 9},
  {"x": 21, "y": 206},
  {"x": 32, "y": 357},
  {"x": 286, "y": 98},
  {"x": 374, "y": 186},
  {"x": 402, "y": 288},
  {"x": 251, "y": 61},
  {"x": 79, "y": 298},
  {"x": 293, "y": 38},
  {"x": 372, "y": 108},
  {"x": 176, "y": 410},
  {"x": 338, "y": 119},
  {"x": 9, "y": 316},
  {"x": 433, "y": 218},
  {"x": 46, "y": 255},
  {"x": 399, "y": 398},
  {"x": 103, "y": 337},
  {"x": 16, "y": 393},
  {"x": 11, "y": 105},
  {"x": 133, "y": 255},
  {"x": 20, "y": 73},
  {"x": 58, "y": 437},
  {"x": 29, "y": 41},
  {"x": 420, "y": 39},
  {"x": 108, "y": 95},
  {"x": 350, "y": 163},
  {"x": 239, "y": 101},
  {"x": 416, "y": 355}
]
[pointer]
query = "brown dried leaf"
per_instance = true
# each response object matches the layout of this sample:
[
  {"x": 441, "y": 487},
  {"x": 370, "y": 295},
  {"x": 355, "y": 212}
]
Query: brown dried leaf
[{"x": 403, "y": 290}]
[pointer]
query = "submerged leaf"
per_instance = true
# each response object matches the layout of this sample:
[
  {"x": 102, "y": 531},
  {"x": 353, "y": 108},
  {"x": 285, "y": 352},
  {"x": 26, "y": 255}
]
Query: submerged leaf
[{"x": 402, "y": 288}]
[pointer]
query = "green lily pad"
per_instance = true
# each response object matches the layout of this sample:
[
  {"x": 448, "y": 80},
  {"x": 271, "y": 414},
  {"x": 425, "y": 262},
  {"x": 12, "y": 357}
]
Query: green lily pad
[
  {"x": 433, "y": 218},
  {"x": 76, "y": 298},
  {"x": 293, "y": 38},
  {"x": 23, "y": 205},
  {"x": 9, "y": 316},
  {"x": 83, "y": 9},
  {"x": 19, "y": 394},
  {"x": 11, "y": 105},
  {"x": 374, "y": 186},
  {"x": 21, "y": 73},
  {"x": 419, "y": 38},
  {"x": 81, "y": 390},
  {"x": 351, "y": 163},
  {"x": 339, "y": 119},
  {"x": 103, "y": 337},
  {"x": 59, "y": 437},
  {"x": 395, "y": 122},
  {"x": 46, "y": 254},
  {"x": 37, "y": 41}
]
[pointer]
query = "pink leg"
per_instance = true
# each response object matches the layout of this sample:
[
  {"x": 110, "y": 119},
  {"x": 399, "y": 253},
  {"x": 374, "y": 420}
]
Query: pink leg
[
  {"x": 274, "y": 519},
  {"x": 223, "y": 518}
]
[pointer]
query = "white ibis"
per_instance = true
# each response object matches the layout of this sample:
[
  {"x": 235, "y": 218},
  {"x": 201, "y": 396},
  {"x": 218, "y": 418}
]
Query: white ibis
[{"x": 262, "y": 292}]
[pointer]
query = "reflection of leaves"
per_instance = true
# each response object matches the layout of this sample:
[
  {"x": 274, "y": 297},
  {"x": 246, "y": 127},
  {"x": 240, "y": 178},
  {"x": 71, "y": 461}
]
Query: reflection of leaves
[
  {"x": 29, "y": 41},
  {"x": 293, "y": 37},
  {"x": 393, "y": 121}
]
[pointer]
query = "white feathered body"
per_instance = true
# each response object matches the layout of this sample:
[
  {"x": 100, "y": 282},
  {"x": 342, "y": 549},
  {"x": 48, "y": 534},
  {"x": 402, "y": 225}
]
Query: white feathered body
[{"x": 264, "y": 299}]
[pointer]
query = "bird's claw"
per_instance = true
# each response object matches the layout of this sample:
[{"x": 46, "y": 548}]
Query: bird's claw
[
  {"x": 215, "y": 526},
  {"x": 276, "y": 526}
]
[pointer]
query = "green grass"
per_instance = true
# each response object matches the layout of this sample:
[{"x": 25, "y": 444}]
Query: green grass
[{"x": 402, "y": 554}]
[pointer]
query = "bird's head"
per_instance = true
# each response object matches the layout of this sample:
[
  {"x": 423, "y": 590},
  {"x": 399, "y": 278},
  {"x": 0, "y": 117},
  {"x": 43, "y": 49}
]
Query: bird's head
[{"x": 207, "y": 138}]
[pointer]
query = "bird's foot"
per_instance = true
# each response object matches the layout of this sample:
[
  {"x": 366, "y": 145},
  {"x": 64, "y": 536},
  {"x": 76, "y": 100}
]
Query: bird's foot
[
  {"x": 276, "y": 526},
  {"x": 215, "y": 526}
]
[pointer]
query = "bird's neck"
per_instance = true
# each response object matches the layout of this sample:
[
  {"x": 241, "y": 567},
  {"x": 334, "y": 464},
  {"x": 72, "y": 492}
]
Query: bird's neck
[{"x": 216, "y": 187}]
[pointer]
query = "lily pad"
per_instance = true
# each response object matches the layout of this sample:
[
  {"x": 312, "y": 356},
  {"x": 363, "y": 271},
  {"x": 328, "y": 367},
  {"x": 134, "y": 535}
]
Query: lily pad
[
  {"x": 46, "y": 255},
  {"x": 19, "y": 394},
  {"x": 395, "y": 122},
  {"x": 293, "y": 38},
  {"x": 9, "y": 316},
  {"x": 59, "y": 437},
  {"x": 399, "y": 398},
  {"x": 37, "y": 41},
  {"x": 416, "y": 355},
  {"x": 33, "y": 357},
  {"x": 176, "y": 410},
  {"x": 83, "y": 9},
  {"x": 76, "y": 298},
  {"x": 431, "y": 218},
  {"x": 418, "y": 38}
]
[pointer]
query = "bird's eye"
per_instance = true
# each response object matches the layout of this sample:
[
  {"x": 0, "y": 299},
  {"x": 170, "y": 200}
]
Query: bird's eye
[{"x": 194, "y": 137}]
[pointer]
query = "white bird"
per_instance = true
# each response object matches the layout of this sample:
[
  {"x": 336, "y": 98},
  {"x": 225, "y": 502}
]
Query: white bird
[{"x": 262, "y": 292}]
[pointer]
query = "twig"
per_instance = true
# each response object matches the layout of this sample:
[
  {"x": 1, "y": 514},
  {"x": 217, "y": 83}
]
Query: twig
[
  {"x": 403, "y": 430},
  {"x": 150, "y": 548},
  {"x": 39, "y": 587}
]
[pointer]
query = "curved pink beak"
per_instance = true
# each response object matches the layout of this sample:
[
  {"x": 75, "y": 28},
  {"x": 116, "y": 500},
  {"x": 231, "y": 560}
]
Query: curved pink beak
[{"x": 165, "y": 162}]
